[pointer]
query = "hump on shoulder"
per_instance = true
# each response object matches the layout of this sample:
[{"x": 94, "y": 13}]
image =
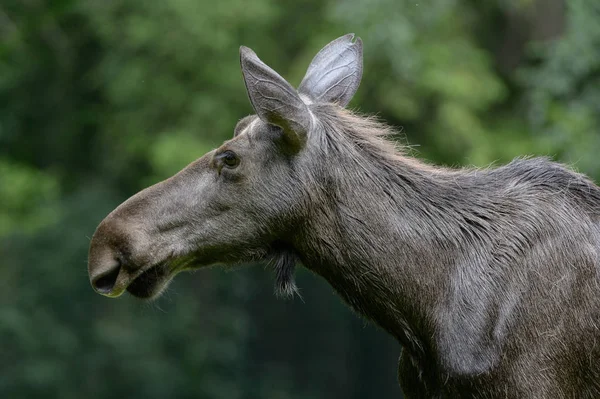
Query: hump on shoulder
[{"x": 544, "y": 173}]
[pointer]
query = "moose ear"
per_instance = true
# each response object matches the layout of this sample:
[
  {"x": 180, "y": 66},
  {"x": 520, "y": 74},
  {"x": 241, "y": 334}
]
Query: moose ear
[
  {"x": 334, "y": 74},
  {"x": 274, "y": 100}
]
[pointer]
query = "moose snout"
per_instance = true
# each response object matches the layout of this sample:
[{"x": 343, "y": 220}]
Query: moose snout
[{"x": 110, "y": 265}]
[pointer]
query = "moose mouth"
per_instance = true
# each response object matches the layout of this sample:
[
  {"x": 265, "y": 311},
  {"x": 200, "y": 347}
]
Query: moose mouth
[{"x": 150, "y": 283}]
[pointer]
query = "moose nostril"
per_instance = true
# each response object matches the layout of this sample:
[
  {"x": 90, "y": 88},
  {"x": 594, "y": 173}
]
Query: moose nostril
[{"x": 106, "y": 282}]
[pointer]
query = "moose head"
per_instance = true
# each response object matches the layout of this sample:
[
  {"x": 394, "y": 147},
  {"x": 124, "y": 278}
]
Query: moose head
[{"x": 241, "y": 202}]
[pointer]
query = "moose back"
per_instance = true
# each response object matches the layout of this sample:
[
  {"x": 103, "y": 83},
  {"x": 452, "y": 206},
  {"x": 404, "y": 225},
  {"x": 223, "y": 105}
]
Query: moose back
[{"x": 490, "y": 279}]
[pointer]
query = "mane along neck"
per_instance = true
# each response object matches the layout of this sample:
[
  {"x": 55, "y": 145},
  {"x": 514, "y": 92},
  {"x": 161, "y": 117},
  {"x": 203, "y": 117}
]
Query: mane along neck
[
  {"x": 430, "y": 253},
  {"x": 377, "y": 225}
]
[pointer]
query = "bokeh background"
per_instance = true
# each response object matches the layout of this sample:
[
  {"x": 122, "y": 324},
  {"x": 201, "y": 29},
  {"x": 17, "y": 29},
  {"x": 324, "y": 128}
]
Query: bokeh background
[{"x": 101, "y": 98}]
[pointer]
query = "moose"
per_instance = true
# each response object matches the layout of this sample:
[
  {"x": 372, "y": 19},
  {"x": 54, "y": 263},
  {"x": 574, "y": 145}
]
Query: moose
[{"x": 488, "y": 278}]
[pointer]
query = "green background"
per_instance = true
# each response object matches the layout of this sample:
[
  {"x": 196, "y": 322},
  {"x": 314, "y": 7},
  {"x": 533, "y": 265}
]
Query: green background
[{"x": 99, "y": 99}]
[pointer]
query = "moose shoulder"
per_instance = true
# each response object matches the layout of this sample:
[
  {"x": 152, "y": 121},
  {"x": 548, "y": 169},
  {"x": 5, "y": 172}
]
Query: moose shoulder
[{"x": 490, "y": 279}]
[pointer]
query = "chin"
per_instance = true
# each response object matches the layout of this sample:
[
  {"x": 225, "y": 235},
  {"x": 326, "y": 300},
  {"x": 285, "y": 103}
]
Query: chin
[{"x": 152, "y": 283}]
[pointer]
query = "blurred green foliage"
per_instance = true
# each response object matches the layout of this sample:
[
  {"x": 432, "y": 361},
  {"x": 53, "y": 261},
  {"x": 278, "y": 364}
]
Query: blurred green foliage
[{"x": 99, "y": 99}]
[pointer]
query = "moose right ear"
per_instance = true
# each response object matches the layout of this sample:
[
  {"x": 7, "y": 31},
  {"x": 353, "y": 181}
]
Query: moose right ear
[
  {"x": 274, "y": 100},
  {"x": 335, "y": 73}
]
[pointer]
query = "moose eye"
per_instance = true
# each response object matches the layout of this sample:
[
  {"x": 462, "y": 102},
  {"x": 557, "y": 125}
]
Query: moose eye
[{"x": 229, "y": 159}]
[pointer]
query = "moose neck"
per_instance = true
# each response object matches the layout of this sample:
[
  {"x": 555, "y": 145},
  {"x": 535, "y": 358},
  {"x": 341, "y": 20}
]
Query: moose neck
[{"x": 382, "y": 238}]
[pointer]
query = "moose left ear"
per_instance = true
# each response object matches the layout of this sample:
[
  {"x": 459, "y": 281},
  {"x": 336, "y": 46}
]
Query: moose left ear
[
  {"x": 274, "y": 100},
  {"x": 334, "y": 74}
]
